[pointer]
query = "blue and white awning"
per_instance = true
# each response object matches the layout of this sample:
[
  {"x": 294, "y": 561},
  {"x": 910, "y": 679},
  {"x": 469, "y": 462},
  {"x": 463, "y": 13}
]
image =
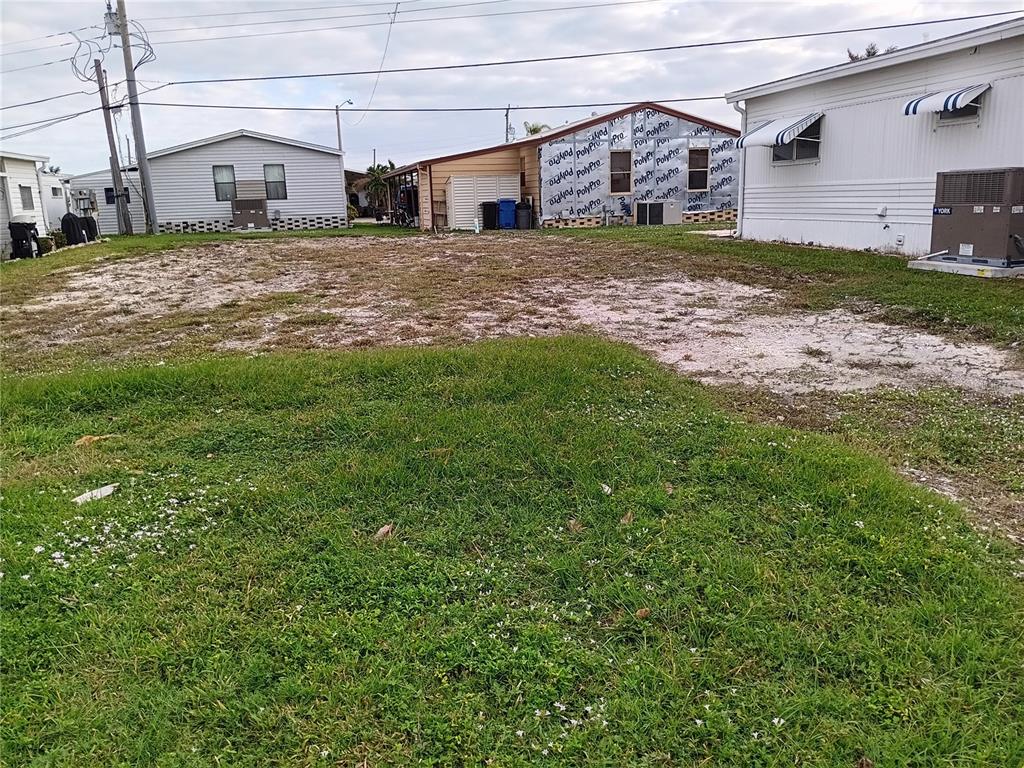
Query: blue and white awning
[
  {"x": 775, "y": 133},
  {"x": 944, "y": 101}
]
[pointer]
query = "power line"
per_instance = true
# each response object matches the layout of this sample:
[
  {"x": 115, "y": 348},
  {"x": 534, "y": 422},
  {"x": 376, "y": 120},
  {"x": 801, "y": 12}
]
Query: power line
[
  {"x": 46, "y": 37},
  {"x": 274, "y": 10},
  {"x": 271, "y": 107},
  {"x": 326, "y": 18},
  {"x": 383, "y": 56},
  {"x": 570, "y": 57},
  {"x": 35, "y": 66},
  {"x": 406, "y": 21},
  {"x": 47, "y": 47},
  {"x": 48, "y": 98}
]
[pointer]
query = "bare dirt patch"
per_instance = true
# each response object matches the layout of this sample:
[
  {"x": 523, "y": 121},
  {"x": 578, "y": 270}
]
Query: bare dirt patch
[{"x": 336, "y": 292}]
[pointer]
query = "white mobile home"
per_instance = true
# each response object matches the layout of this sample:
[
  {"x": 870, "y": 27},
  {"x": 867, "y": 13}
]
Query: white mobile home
[
  {"x": 848, "y": 155},
  {"x": 20, "y": 188},
  {"x": 195, "y": 184}
]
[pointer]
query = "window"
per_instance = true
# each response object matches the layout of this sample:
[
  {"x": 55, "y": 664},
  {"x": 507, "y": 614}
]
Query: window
[
  {"x": 967, "y": 111},
  {"x": 224, "y": 182},
  {"x": 56, "y": 192},
  {"x": 273, "y": 177},
  {"x": 26, "y": 198},
  {"x": 622, "y": 171},
  {"x": 697, "y": 163},
  {"x": 804, "y": 146},
  {"x": 108, "y": 195}
]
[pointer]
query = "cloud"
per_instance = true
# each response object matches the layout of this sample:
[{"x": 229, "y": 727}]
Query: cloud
[{"x": 80, "y": 145}]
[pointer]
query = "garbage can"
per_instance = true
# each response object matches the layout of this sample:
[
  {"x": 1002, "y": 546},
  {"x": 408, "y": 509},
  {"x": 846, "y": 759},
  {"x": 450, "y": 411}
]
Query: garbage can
[
  {"x": 524, "y": 216},
  {"x": 489, "y": 215},
  {"x": 71, "y": 226},
  {"x": 92, "y": 230},
  {"x": 507, "y": 213},
  {"x": 24, "y": 239}
]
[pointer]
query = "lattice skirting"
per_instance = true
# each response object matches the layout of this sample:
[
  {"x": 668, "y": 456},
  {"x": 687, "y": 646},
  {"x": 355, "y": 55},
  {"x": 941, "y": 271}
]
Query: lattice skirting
[
  {"x": 226, "y": 225},
  {"x": 701, "y": 217}
]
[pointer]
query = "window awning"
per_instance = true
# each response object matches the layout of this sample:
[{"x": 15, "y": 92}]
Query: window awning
[
  {"x": 943, "y": 101},
  {"x": 776, "y": 132}
]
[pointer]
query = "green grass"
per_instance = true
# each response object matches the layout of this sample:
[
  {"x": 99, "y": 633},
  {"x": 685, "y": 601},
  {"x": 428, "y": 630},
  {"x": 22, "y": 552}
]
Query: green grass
[
  {"x": 786, "y": 578},
  {"x": 821, "y": 278}
]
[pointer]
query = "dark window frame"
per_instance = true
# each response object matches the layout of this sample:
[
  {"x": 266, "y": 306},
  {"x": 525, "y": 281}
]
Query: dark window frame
[
  {"x": 617, "y": 176},
  {"x": 224, "y": 195},
  {"x": 108, "y": 196},
  {"x": 695, "y": 173},
  {"x": 56, "y": 192},
  {"x": 968, "y": 113},
  {"x": 283, "y": 182},
  {"x": 26, "y": 206},
  {"x": 805, "y": 146}
]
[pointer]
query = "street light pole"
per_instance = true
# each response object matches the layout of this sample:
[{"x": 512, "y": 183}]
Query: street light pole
[{"x": 341, "y": 158}]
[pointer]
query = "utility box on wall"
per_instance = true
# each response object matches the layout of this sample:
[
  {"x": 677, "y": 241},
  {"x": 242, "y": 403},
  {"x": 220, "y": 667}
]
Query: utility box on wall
[
  {"x": 249, "y": 213},
  {"x": 978, "y": 217}
]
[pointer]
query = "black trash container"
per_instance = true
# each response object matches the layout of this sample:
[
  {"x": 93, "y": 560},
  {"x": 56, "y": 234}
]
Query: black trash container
[
  {"x": 71, "y": 226},
  {"x": 92, "y": 230},
  {"x": 489, "y": 214},
  {"x": 24, "y": 239},
  {"x": 524, "y": 216}
]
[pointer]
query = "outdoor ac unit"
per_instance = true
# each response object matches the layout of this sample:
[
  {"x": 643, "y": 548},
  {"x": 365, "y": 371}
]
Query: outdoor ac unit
[
  {"x": 978, "y": 217},
  {"x": 249, "y": 213},
  {"x": 658, "y": 212}
]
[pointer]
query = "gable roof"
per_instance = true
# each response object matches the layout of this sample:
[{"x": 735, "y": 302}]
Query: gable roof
[
  {"x": 19, "y": 156},
  {"x": 994, "y": 32},
  {"x": 235, "y": 135},
  {"x": 564, "y": 130}
]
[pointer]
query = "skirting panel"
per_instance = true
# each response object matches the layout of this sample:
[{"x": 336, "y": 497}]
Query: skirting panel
[
  {"x": 282, "y": 224},
  {"x": 702, "y": 217}
]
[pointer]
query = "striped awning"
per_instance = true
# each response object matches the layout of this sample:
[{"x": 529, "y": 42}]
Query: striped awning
[
  {"x": 774, "y": 133},
  {"x": 944, "y": 101}
]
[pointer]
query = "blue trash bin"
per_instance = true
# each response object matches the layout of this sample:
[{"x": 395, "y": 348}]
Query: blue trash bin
[{"x": 506, "y": 214}]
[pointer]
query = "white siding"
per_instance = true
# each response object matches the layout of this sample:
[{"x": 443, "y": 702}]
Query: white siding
[
  {"x": 183, "y": 181},
  {"x": 465, "y": 193},
  {"x": 872, "y": 155},
  {"x": 19, "y": 173},
  {"x": 56, "y": 207},
  {"x": 106, "y": 215}
]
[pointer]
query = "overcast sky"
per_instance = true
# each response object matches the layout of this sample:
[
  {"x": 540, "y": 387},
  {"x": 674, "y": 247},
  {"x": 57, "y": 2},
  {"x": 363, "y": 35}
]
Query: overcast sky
[{"x": 79, "y": 145}]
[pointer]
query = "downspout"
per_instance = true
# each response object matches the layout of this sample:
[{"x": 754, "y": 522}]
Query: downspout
[
  {"x": 743, "y": 165},
  {"x": 42, "y": 200}
]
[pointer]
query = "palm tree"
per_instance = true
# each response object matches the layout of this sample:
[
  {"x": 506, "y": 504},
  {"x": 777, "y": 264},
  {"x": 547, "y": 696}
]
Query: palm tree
[
  {"x": 376, "y": 184},
  {"x": 532, "y": 129}
]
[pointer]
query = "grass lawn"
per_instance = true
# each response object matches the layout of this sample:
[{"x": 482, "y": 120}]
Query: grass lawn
[
  {"x": 591, "y": 566},
  {"x": 819, "y": 278}
]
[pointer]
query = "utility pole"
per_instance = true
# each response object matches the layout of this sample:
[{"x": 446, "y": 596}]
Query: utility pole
[
  {"x": 133, "y": 102},
  {"x": 508, "y": 125},
  {"x": 124, "y": 221},
  {"x": 341, "y": 159}
]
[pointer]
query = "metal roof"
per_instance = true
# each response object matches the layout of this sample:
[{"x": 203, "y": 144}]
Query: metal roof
[
  {"x": 563, "y": 130},
  {"x": 236, "y": 134},
  {"x": 19, "y": 156},
  {"x": 994, "y": 32}
]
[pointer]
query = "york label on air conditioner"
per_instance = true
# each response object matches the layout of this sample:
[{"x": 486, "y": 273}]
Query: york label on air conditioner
[{"x": 966, "y": 249}]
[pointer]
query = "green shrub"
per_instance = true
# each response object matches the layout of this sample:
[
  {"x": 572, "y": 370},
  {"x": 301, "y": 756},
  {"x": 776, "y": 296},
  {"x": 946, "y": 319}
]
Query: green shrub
[
  {"x": 57, "y": 238},
  {"x": 45, "y": 245},
  {"x": 352, "y": 212}
]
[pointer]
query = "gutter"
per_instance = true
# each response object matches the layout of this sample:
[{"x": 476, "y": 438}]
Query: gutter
[{"x": 743, "y": 166}]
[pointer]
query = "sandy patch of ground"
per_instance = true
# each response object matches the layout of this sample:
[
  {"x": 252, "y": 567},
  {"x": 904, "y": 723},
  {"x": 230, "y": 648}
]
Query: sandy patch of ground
[{"x": 424, "y": 290}]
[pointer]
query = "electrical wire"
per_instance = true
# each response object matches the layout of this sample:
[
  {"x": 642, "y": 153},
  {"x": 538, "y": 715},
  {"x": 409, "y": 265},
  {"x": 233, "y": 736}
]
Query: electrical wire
[
  {"x": 35, "y": 66},
  {"x": 574, "y": 56},
  {"x": 326, "y": 18},
  {"x": 408, "y": 21},
  {"x": 501, "y": 108},
  {"x": 273, "y": 10},
  {"x": 46, "y": 37},
  {"x": 48, "y": 98},
  {"x": 383, "y": 56}
]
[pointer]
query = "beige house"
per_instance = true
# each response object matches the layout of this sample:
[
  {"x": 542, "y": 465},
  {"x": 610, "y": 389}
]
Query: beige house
[{"x": 645, "y": 163}]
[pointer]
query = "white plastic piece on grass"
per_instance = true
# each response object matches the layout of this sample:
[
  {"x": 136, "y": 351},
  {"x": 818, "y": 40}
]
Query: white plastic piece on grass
[{"x": 96, "y": 493}]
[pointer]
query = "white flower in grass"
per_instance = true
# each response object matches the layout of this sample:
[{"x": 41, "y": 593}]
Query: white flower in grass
[
  {"x": 698, "y": 721},
  {"x": 778, "y": 722},
  {"x": 38, "y": 548},
  {"x": 859, "y": 523},
  {"x": 607, "y": 489},
  {"x": 519, "y": 734},
  {"x": 26, "y": 576}
]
